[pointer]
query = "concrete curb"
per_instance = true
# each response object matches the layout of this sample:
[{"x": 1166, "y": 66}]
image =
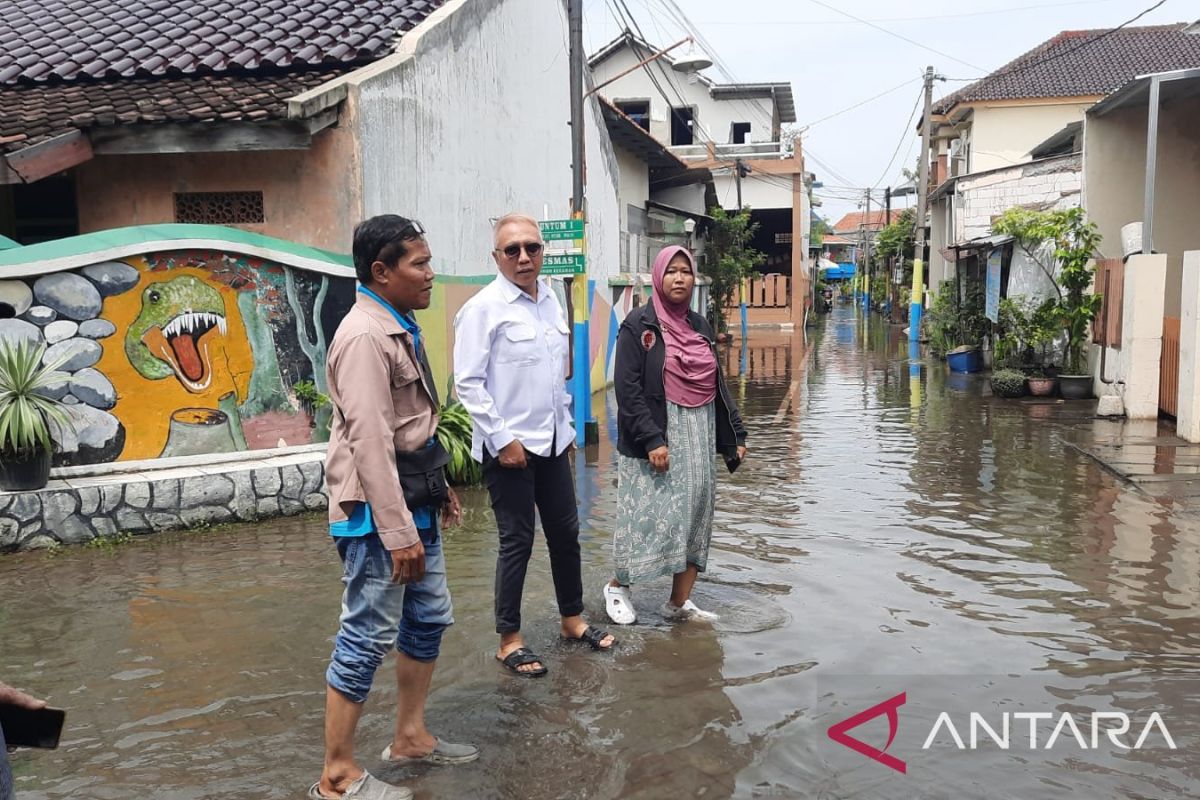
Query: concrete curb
[{"x": 81, "y": 504}]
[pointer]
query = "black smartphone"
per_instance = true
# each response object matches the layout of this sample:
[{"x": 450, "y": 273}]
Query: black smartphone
[{"x": 25, "y": 727}]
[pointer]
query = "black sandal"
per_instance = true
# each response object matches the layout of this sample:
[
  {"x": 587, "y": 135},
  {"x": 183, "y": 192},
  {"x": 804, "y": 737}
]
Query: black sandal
[
  {"x": 521, "y": 657},
  {"x": 593, "y": 636}
]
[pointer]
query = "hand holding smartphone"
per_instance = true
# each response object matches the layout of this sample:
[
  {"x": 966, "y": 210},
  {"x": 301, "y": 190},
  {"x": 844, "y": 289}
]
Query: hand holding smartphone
[{"x": 27, "y": 727}]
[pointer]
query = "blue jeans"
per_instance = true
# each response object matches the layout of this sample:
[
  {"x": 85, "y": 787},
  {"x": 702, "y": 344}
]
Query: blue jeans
[
  {"x": 6, "y": 784},
  {"x": 378, "y": 614}
]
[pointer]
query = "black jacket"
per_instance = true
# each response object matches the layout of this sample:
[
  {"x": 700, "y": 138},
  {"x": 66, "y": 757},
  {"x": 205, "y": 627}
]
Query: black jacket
[{"x": 641, "y": 397}]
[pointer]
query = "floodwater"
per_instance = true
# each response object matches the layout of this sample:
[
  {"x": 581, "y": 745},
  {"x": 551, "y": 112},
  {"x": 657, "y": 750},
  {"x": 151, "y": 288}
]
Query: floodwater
[{"x": 892, "y": 523}]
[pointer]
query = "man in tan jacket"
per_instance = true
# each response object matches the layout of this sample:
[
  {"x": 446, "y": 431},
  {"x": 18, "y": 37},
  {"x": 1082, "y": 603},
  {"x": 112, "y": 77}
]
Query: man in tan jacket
[{"x": 384, "y": 470}]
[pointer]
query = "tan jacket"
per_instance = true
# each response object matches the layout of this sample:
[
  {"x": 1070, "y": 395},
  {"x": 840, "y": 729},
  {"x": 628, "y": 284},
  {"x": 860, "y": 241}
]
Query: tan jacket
[{"x": 381, "y": 405}]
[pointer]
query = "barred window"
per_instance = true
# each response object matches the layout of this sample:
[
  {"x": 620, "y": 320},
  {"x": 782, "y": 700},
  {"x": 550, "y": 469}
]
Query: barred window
[{"x": 219, "y": 208}]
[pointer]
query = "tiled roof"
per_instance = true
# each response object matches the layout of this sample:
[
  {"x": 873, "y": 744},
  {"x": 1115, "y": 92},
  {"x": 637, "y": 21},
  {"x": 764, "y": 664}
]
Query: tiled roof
[
  {"x": 77, "y": 64},
  {"x": 35, "y": 113},
  {"x": 1084, "y": 63},
  {"x": 48, "y": 40},
  {"x": 851, "y": 223}
]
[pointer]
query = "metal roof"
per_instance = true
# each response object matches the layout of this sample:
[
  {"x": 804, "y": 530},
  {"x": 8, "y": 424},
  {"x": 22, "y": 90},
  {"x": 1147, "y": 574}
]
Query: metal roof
[
  {"x": 781, "y": 92},
  {"x": 1177, "y": 85}
]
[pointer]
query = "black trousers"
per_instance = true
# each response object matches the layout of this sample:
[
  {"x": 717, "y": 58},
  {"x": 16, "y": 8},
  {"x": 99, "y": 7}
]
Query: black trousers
[{"x": 547, "y": 484}]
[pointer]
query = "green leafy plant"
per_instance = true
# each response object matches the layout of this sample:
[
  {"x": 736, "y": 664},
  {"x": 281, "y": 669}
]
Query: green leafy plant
[
  {"x": 1008, "y": 383},
  {"x": 731, "y": 259},
  {"x": 1062, "y": 243},
  {"x": 954, "y": 321},
  {"x": 454, "y": 432},
  {"x": 309, "y": 397},
  {"x": 26, "y": 410}
]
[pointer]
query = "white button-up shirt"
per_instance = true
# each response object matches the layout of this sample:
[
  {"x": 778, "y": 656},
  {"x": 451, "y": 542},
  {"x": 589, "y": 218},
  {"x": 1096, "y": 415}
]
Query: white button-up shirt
[{"x": 510, "y": 366}]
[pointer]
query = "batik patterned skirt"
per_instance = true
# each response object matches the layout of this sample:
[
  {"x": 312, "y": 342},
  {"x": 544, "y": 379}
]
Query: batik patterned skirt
[{"x": 664, "y": 520}]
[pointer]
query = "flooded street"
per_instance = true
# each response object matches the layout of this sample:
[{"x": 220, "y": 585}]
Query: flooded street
[{"x": 892, "y": 522}]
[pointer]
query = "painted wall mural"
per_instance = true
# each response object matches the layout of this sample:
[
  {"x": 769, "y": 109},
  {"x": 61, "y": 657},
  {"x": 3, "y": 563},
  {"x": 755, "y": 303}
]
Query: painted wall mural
[{"x": 182, "y": 352}]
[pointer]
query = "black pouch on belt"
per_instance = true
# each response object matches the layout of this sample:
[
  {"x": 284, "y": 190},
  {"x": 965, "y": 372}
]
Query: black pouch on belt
[{"x": 423, "y": 476}]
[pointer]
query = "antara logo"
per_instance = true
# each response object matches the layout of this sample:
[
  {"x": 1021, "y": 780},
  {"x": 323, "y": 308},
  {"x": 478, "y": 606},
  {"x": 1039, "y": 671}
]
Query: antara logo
[
  {"x": 889, "y": 707},
  {"x": 1106, "y": 727}
]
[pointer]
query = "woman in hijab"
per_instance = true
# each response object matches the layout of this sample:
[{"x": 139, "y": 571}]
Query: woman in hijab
[{"x": 673, "y": 412}]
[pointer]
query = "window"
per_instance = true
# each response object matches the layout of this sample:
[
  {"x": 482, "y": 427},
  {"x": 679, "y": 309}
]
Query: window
[
  {"x": 39, "y": 211},
  {"x": 219, "y": 208},
  {"x": 682, "y": 122},
  {"x": 741, "y": 131},
  {"x": 636, "y": 110}
]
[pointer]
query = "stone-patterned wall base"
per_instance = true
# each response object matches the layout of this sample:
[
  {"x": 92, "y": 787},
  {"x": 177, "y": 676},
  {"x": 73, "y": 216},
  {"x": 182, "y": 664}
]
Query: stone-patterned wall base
[{"x": 74, "y": 510}]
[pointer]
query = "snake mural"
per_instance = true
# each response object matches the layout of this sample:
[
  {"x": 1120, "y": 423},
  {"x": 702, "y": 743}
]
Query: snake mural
[{"x": 173, "y": 352}]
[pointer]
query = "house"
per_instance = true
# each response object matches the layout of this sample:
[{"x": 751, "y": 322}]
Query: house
[
  {"x": 1011, "y": 138},
  {"x": 733, "y": 130},
  {"x": 1142, "y": 190},
  {"x": 290, "y": 121}
]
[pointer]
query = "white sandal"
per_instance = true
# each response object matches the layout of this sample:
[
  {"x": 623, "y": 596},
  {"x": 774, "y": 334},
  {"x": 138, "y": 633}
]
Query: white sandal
[{"x": 618, "y": 602}]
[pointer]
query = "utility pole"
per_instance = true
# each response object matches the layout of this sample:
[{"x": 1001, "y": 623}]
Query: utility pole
[
  {"x": 888, "y": 267},
  {"x": 918, "y": 285},
  {"x": 740, "y": 170},
  {"x": 867, "y": 251},
  {"x": 586, "y": 430}
]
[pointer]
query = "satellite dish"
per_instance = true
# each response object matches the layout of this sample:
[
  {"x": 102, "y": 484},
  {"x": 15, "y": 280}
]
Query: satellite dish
[{"x": 692, "y": 60}]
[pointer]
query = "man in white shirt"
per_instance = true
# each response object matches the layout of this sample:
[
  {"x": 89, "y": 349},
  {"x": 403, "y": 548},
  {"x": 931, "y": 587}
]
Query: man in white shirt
[{"x": 510, "y": 356}]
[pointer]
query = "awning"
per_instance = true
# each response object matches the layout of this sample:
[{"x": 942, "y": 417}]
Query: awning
[{"x": 983, "y": 243}]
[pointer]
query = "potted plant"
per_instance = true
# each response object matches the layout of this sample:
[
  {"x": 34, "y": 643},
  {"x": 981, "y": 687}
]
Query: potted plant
[
  {"x": 1075, "y": 243},
  {"x": 969, "y": 328},
  {"x": 27, "y": 410},
  {"x": 1062, "y": 244},
  {"x": 454, "y": 432},
  {"x": 1040, "y": 333},
  {"x": 1008, "y": 383}
]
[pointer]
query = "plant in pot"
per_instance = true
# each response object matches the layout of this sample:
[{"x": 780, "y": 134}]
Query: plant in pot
[
  {"x": 1062, "y": 244},
  {"x": 27, "y": 412},
  {"x": 970, "y": 326},
  {"x": 1008, "y": 383},
  {"x": 1040, "y": 334}
]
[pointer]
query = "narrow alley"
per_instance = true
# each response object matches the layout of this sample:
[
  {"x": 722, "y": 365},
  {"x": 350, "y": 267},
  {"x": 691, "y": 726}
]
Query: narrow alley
[{"x": 892, "y": 522}]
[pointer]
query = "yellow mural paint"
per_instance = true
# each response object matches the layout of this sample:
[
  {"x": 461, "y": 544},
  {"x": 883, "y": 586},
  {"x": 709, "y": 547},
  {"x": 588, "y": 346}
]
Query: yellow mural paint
[{"x": 190, "y": 350}]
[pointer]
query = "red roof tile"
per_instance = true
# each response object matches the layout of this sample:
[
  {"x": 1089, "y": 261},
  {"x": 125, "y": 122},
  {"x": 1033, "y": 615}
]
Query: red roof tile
[
  {"x": 1084, "y": 63},
  {"x": 852, "y": 222}
]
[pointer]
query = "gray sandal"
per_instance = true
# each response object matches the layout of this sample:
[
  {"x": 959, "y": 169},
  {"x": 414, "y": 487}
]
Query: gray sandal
[
  {"x": 366, "y": 787},
  {"x": 442, "y": 753}
]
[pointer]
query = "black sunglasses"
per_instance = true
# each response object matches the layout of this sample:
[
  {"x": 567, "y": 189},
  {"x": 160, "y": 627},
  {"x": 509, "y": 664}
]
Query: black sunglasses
[
  {"x": 514, "y": 250},
  {"x": 413, "y": 230}
]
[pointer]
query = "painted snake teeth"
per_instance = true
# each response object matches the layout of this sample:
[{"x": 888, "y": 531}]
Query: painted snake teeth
[{"x": 193, "y": 322}]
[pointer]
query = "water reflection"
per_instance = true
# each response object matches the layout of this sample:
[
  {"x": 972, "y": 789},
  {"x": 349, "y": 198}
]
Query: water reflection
[{"x": 893, "y": 521}]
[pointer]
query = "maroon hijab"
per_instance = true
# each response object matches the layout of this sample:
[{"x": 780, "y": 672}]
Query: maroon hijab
[{"x": 690, "y": 372}]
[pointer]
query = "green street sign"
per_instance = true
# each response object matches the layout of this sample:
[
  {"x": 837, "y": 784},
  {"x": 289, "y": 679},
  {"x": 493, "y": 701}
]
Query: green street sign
[
  {"x": 563, "y": 264},
  {"x": 559, "y": 229}
]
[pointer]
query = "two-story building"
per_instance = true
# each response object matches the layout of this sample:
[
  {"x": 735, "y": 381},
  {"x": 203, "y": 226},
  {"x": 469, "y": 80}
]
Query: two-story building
[
  {"x": 1013, "y": 138},
  {"x": 733, "y": 131}
]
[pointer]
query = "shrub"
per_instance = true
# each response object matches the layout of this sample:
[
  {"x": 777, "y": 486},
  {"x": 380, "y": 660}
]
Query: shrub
[{"x": 1008, "y": 383}]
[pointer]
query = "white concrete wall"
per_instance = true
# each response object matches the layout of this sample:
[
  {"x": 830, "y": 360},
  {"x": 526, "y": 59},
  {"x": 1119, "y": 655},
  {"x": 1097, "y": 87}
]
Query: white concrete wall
[
  {"x": 757, "y": 193},
  {"x": 444, "y": 132},
  {"x": 1114, "y": 180},
  {"x": 1135, "y": 367},
  {"x": 1001, "y": 135},
  {"x": 1187, "y": 420},
  {"x": 685, "y": 198},
  {"x": 1050, "y": 184},
  {"x": 938, "y": 269},
  {"x": 714, "y": 116},
  {"x": 634, "y": 184}
]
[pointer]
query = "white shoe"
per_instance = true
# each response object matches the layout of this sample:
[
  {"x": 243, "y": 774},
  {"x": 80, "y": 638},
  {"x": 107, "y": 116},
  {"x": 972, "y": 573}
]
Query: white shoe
[
  {"x": 618, "y": 602},
  {"x": 687, "y": 611}
]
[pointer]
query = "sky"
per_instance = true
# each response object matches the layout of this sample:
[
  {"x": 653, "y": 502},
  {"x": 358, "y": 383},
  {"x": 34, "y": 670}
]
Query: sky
[{"x": 834, "y": 62}]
